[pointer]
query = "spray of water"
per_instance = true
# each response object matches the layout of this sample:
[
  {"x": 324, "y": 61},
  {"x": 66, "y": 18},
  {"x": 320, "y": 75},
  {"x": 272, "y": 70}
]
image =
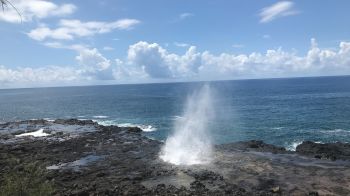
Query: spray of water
[{"x": 190, "y": 143}]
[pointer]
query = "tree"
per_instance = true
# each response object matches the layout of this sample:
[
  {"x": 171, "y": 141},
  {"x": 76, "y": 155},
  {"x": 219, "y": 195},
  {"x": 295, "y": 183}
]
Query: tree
[{"x": 5, "y": 3}]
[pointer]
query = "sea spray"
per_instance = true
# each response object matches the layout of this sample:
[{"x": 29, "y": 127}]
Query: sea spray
[{"x": 191, "y": 142}]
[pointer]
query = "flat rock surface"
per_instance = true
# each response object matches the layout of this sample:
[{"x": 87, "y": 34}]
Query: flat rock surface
[{"x": 84, "y": 158}]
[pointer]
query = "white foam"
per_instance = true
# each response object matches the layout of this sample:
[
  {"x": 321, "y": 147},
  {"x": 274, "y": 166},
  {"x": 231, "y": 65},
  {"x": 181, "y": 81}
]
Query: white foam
[
  {"x": 38, "y": 133},
  {"x": 277, "y": 128},
  {"x": 190, "y": 144},
  {"x": 145, "y": 128},
  {"x": 335, "y": 131},
  {"x": 293, "y": 145},
  {"x": 100, "y": 117},
  {"x": 49, "y": 119}
]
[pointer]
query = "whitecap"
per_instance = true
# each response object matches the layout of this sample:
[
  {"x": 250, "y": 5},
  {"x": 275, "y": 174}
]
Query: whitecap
[
  {"x": 106, "y": 122},
  {"x": 277, "y": 128},
  {"x": 335, "y": 131},
  {"x": 178, "y": 117},
  {"x": 100, "y": 116},
  {"x": 293, "y": 145},
  {"x": 145, "y": 128},
  {"x": 38, "y": 133}
]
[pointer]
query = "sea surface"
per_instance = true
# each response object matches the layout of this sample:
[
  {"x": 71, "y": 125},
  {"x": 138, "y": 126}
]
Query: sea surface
[{"x": 283, "y": 112}]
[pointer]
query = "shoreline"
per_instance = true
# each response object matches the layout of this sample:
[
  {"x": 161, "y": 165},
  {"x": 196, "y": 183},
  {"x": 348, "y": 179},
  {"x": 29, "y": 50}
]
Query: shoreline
[{"x": 81, "y": 157}]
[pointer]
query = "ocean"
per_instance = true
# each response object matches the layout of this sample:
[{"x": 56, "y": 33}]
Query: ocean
[{"x": 283, "y": 112}]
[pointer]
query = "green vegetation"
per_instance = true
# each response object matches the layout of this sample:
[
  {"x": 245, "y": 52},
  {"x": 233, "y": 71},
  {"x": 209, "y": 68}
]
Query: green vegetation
[{"x": 25, "y": 180}]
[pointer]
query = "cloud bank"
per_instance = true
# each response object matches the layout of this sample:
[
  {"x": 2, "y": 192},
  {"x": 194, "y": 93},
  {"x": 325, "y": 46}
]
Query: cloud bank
[{"x": 146, "y": 61}]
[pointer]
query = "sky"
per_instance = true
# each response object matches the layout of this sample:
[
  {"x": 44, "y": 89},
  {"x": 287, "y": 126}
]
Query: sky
[{"x": 90, "y": 42}]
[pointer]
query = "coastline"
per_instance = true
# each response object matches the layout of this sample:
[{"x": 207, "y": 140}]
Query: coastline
[{"x": 80, "y": 157}]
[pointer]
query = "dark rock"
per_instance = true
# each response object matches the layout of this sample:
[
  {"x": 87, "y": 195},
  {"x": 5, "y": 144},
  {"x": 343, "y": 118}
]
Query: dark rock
[
  {"x": 124, "y": 162},
  {"x": 255, "y": 145},
  {"x": 75, "y": 122},
  {"x": 331, "y": 151},
  {"x": 134, "y": 130},
  {"x": 313, "y": 193}
]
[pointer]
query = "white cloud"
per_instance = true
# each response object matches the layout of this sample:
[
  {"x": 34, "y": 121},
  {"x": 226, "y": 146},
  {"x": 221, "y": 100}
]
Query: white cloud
[
  {"x": 94, "y": 65},
  {"x": 238, "y": 45},
  {"x": 182, "y": 16},
  {"x": 147, "y": 61},
  {"x": 185, "y": 15},
  {"x": 179, "y": 44},
  {"x": 108, "y": 48},
  {"x": 91, "y": 65},
  {"x": 277, "y": 10},
  {"x": 70, "y": 29},
  {"x": 30, "y": 9},
  {"x": 266, "y": 36},
  {"x": 158, "y": 63},
  {"x": 43, "y": 74}
]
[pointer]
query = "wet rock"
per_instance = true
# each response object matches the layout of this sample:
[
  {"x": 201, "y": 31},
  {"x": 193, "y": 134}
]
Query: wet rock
[
  {"x": 75, "y": 122},
  {"x": 313, "y": 193},
  {"x": 134, "y": 130},
  {"x": 130, "y": 164},
  {"x": 331, "y": 151},
  {"x": 255, "y": 145}
]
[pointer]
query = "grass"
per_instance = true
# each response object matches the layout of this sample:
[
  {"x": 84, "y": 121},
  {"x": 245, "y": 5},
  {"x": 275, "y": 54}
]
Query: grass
[{"x": 26, "y": 180}]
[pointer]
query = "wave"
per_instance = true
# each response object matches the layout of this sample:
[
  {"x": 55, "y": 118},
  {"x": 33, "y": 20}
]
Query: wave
[
  {"x": 293, "y": 145},
  {"x": 145, "y": 128},
  {"x": 335, "y": 131},
  {"x": 100, "y": 116},
  {"x": 49, "y": 119},
  {"x": 277, "y": 128},
  {"x": 177, "y": 117}
]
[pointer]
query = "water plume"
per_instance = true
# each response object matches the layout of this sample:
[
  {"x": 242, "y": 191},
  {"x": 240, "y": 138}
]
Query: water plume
[{"x": 191, "y": 142}]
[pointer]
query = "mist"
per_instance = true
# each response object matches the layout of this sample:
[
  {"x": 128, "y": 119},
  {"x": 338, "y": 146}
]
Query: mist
[{"x": 191, "y": 141}]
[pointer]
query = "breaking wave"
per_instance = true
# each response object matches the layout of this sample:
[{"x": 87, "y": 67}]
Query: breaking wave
[{"x": 145, "y": 128}]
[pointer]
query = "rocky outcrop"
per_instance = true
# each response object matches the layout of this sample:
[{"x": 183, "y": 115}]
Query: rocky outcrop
[
  {"x": 332, "y": 151},
  {"x": 255, "y": 145},
  {"x": 75, "y": 122},
  {"x": 84, "y": 158}
]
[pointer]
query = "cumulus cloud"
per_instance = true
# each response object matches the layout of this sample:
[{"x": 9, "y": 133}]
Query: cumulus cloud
[
  {"x": 70, "y": 29},
  {"x": 151, "y": 61},
  {"x": 43, "y": 74},
  {"x": 159, "y": 63},
  {"x": 277, "y": 10},
  {"x": 30, "y": 9},
  {"x": 91, "y": 65},
  {"x": 94, "y": 65}
]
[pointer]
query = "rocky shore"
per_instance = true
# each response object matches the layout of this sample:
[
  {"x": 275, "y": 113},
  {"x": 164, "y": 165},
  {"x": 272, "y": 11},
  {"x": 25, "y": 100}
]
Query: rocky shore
[{"x": 74, "y": 157}]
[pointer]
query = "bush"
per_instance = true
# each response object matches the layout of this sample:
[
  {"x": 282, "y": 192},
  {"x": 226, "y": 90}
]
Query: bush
[{"x": 27, "y": 180}]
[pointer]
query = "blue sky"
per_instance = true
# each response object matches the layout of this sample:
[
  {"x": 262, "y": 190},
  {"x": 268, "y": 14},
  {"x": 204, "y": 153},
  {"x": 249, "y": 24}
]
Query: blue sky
[{"x": 127, "y": 41}]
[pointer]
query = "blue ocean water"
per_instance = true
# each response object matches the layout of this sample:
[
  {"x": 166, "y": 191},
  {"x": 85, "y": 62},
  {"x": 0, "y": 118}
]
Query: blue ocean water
[{"x": 279, "y": 111}]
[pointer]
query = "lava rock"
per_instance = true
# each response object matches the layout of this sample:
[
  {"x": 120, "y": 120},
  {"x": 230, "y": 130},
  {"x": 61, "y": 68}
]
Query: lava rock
[{"x": 331, "y": 151}]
